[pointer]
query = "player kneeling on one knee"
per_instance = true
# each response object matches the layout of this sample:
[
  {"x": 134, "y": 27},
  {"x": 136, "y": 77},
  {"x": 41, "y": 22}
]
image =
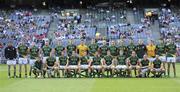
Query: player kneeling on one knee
[
  {"x": 157, "y": 67},
  {"x": 51, "y": 66},
  {"x": 37, "y": 68},
  {"x": 133, "y": 63},
  {"x": 144, "y": 67}
]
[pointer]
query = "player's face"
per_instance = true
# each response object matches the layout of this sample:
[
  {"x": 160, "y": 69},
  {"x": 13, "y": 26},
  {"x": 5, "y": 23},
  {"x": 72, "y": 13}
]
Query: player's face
[
  {"x": 140, "y": 42},
  {"x": 145, "y": 57},
  {"x": 104, "y": 42},
  {"x": 133, "y": 53},
  {"x": 33, "y": 44},
  {"x": 108, "y": 53},
  {"x": 93, "y": 41},
  {"x": 131, "y": 41},
  {"x": 170, "y": 41},
  {"x": 47, "y": 44},
  {"x": 82, "y": 42},
  {"x": 157, "y": 57},
  {"x": 160, "y": 41},
  {"x": 120, "y": 42},
  {"x": 150, "y": 43},
  {"x": 113, "y": 43},
  {"x": 10, "y": 44},
  {"x": 96, "y": 54},
  {"x": 85, "y": 53},
  {"x": 62, "y": 53}
]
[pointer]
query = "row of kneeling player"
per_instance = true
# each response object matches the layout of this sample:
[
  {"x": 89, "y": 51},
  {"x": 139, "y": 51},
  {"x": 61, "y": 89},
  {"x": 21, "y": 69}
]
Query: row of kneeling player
[{"x": 97, "y": 66}]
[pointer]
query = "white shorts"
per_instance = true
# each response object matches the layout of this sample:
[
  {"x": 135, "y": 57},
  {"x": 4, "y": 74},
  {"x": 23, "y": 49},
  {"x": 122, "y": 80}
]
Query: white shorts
[
  {"x": 121, "y": 67},
  {"x": 32, "y": 61},
  {"x": 157, "y": 69},
  {"x": 96, "y": 66},
  {"x": 62, "y": 67},
  {"x": 11, "y": 62},
  {"x": 72, "y": 67},
  {"x": 162, "y": 58},
  {"x": 44, "y": 59},
  {"x": 151, "y": 59},
  {"x": 84, "y": 66},
  {"x": 144, "y": 70},
  {"x": 23, "y": 61},
  {"x": 57, "y": 59},
  {"x": 171, "y": 59},
  {"x": 108, "y": 66}
]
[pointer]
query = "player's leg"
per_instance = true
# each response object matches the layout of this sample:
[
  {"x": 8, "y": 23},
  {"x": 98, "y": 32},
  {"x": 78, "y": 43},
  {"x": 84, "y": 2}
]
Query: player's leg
[
  {"x": 14, "y": 70},
  {"x": 89, "y": 71},
  {"x": 168, "y": 70},
  {"x": 9, "y": 68},
  {"x": 140, "y": 72},
  {"x": 20, "y": 66},
  {"x": 174, "y": 68},
  {"x": 9, "y": 71},
  {"x": 44, "y": 72},
  {"x": 129, "y": 71},
  {"x": 153, "y": 72},
  {"x": 112, "y": 70},
  {"x": 56, "y": 71},
  {"x": 25, "y": 68},
  {"x": 35, "y": 72},
  {"x": 163, "y": 59},
  {"x": 137, "y": 68},
  {"x": 31, "y": 62},
  {"x": 103, "y": 70},
  {"x": 49, "y": 72}
]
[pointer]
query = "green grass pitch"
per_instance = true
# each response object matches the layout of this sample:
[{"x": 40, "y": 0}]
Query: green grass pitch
[{"x": 89, "y": 85}]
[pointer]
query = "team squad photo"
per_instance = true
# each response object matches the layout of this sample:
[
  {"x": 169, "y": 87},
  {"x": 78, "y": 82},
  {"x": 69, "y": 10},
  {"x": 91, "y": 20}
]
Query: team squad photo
[{"x": 89, "y": 45}]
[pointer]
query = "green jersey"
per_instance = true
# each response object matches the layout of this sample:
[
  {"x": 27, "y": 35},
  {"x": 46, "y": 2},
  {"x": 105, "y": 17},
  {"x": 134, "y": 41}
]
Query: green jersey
[
  {"x": 34, "y": 52},
  {"x": 58, "y": 50},
  {"x": 63, "y": 60},
  {"x": 133, "y": 60},
  {"x": 130, "y": 48},
  {"x": 96, "y": 61},
  {"x": 46, "y": 51},
  {"x": 50, "y": 61},
  {"x": 113, "y": 50},
  {"x": 108, "y": 59},
  {"x": 73, "y": 60},
  {"x": 104, "y": 50},
  {"x": 145, "y": 62},
  {"x": 38, "y": 65},
  {"x": 70, "y": 49},
  {"x": 23, "y": 50},
  {"x": 171, "y": 50},
  {"x": 93, "y": 48},
  {"x": 160, "y": 49},
  {"x": 157, "y": 63},
  {"x": 84, "y": 60},
  {"x": 121, "y": 60},
  {"x": 140, "y": 50}
]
